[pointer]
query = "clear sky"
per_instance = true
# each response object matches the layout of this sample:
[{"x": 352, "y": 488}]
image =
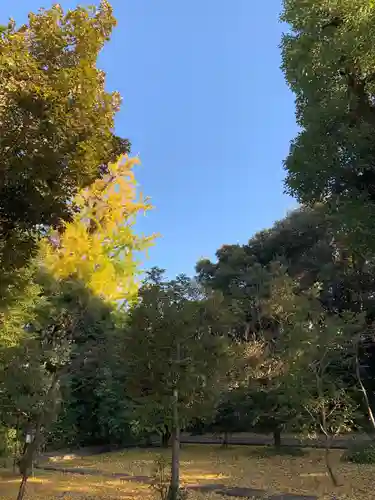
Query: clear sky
[{"x": 206, "y": 107}]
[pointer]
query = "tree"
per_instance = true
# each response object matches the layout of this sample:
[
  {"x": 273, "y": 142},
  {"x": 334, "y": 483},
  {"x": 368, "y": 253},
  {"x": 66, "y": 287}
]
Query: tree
[
  {"x": 99, "y": 245},
  {"x": 245, "y": 275},
  {"x": 68, "y": 332},
  {"x": 328, "y": 59},
  {"x": 56, "y": 126},
  {"x": 315, "y": 351},
  {"x": 177, "y": 357},
  {"x": 311, "y": 251},
  {"x": 84, "y": 273},
  {"x": 302, "y": 242}
]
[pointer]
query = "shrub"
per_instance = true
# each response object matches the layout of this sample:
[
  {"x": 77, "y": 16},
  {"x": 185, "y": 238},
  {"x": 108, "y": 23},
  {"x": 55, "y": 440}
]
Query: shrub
[
  {"x": 360, "y": 453},
  {"x": 161, "y": 479}
]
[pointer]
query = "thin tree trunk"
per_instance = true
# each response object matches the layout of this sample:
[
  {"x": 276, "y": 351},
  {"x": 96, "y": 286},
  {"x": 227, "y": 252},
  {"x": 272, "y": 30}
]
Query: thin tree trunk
[
  {"x": 174, "y": 487},
  {"x": 16, "y": 445},
  {"x": 327, "y": 457},
  {"x": 22, "y": 489},
  {"x": 363, "y": 389},
  {"x": 328, "y": 436},
  {"x": 165, "y": 437},
  {"x": 225, "y": 442},
  {"x": 277, "y": 437},
  {"x": 26, "y": 461}
]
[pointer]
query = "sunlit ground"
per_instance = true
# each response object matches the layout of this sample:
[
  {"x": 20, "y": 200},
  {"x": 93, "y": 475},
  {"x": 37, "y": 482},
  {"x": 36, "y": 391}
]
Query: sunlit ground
[
  {"x": 51, "y": 486},
  {"x": 203, "y": 464}
]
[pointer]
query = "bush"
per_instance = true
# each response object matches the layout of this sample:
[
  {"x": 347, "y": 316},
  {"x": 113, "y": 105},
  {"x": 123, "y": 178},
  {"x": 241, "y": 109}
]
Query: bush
[
  {"x": 161, "y": 479},
  {"x": 360, "y": 453}
]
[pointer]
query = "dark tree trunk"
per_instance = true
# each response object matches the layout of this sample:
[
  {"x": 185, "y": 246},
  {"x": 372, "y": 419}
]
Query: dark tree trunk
[
  {"x": 30, "y": 450},
  {"x": 165, "y": 437},
  {"x": 331, "y": 473},
  {"x": 277, "y": 437},
  {"x": 225, "y": 441},
  {"x": 174, "y": 487},
  {"x": 22, "y": 489}
]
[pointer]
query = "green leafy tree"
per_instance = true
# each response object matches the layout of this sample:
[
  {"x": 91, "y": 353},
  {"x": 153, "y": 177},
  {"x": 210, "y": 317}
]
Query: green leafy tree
[
  {"x": 311, "y": 251},
  {"x": 328, "y": 62},
  {"x": 67, "y": 332},
  {"x": 56, "y": 126},
  {"x": 315, "y": 350},
  {"x": 177, "y": 357},
  {"x": 83, "y": 274}
]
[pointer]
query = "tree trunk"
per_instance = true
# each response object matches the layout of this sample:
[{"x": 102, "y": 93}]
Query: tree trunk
[
  {"x": 174, "y": 487},
  {"x": 149, "y": 442},
  {"x": 22, "y": 489},
  {"x": 225, "y": 442},
  {"x": 327, "y": 457},
  {"x": 26, "y": 461},
  {"x": 277, "y": 437},
  {"x": 363, "y": 389},
  {"x": 165, "y": 437}
]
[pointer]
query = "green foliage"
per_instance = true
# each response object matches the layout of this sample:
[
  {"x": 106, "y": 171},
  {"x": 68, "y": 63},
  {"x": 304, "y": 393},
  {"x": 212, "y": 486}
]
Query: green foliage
[
  {"x": 174, "y": 339},
  {"x": 57, "y": 342},
  {"x": 8, "y": 440},
  {"x": 328, "y": 61},
  {"x": 317, "y": 352},
  {"x": 315, "y": 258},
  {"x": 56, "y": 125},
  {"x": 360, "y": 453},
  {"x": 68, "y": 325}
]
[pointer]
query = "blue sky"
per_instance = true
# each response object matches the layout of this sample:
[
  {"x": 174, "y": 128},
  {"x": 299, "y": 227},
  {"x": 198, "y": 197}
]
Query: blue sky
[{"x": 206, "y": 107}]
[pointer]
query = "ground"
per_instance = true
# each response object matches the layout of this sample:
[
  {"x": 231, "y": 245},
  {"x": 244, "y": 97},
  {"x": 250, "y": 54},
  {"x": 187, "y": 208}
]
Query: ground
[
  {"x": 50, "y": 486},
  {"x": 241, "y": 466}
]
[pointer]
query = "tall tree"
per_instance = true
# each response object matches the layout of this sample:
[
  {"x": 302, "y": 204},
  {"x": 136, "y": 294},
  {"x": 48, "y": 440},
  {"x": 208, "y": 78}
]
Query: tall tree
[
  {"x": 328, "y": 61},
  {"x": 310, "y": 250},
  {"x": 84, "y": 273},
  {"x": 56, "y": 125},
  {"x": 177, "y": 357}
]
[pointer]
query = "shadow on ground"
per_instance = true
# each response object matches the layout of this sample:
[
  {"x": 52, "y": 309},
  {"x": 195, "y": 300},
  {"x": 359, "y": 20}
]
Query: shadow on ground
[{"x": 283, "y": 451}]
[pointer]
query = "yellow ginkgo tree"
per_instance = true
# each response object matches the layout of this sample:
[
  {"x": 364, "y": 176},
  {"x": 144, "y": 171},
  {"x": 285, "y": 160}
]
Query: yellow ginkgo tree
[
  {"x": 99, "y": 246},
  {"x": 92, "y": 267}
]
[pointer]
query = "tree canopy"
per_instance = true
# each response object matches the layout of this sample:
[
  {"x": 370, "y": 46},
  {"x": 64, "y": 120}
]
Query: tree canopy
[
  {"x": 328, "y": 63},
  {"x": 274, "y": 334},
  {"x": 56, "y": 124}
]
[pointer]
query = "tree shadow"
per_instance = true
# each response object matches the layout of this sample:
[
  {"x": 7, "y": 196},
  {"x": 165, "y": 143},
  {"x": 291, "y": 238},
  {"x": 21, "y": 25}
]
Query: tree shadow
[{"x": 282, "y": 451}]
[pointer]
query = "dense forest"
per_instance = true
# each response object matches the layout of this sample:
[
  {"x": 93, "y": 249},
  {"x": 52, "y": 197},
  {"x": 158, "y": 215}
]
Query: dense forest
[{"x": 275, "y": 335}]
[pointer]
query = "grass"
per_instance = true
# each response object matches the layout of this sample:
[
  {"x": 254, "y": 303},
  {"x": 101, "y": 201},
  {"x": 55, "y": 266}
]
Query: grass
[{"x": 203, "y": 464}]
